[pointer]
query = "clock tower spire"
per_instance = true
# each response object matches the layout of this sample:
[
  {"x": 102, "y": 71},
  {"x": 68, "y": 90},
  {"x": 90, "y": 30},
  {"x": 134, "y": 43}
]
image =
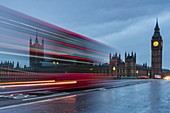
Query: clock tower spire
[{"x": 156, "y": 48}]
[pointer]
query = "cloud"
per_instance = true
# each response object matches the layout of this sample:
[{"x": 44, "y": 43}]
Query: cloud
[{"x": 132, "y": 35}]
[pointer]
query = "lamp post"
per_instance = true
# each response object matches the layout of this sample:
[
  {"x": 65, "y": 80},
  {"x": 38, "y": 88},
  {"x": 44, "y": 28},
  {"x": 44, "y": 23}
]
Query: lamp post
[
  {"x": 114, "y": 68},
  {"x": 149, "y": 74},
  {"x": 114, "y": 71},
  {"x": 137, "y": 73}
]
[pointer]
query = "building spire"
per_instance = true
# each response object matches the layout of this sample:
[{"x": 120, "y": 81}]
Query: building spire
[
  {"x": 36, "y": 40},
  {"x": 125, "y": 54},
  {"x": 110, "y": 56},
  {"x": 157, "y": 26},
  {"x": 156, "y": 31},
  {"x": 30, "y": 41}
]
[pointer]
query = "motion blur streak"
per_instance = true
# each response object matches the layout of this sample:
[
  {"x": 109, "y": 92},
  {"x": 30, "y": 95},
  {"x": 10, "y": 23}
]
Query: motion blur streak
[
  {"x": 31, "y": 29},
  {"x": 42, "y": 84},
  {"x": 49, "y": 58},
  {"x": 43, "y": 81}
]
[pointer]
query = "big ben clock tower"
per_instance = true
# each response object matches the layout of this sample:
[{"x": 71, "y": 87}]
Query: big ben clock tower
[{"x": 156, "y": 46}]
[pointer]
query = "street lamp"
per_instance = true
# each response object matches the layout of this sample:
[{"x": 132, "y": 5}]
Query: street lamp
[
  {"x": 114, "y": 68},
  {"x": 137, "y": 71},
  {"x": 91, "y": 69},
  {"x": 114, "y": 71},
  {"x": 149, "y": 74},
  {"x": 55, "y": 62}
]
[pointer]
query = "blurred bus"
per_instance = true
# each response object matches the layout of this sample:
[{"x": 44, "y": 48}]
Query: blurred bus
[{"x": 31, "y": 49}]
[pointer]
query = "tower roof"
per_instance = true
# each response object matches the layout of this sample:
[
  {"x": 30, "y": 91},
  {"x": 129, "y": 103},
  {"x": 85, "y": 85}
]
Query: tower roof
[
  {"x": 157, "y": 31},
  {"x": 36, "y": 40},
  {"x": 157, "y": 26},
  {"x": 30, "y": 40}
]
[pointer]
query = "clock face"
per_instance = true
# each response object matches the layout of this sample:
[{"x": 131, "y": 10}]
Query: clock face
[{"x": 155, "y": 43}]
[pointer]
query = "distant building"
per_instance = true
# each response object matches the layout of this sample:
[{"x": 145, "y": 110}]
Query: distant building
[
  {"x": 156, "y": 48},
  {"x": 130, "y": 64},
  {"x": 165, "y": 72},
  {"x": 117, "y": 66},
  {"x": 127, "y": 68},
  {"x": 143, "y": 70},
  {"x": 8, "y": 66},
  {"x": 36, "y": 52}
]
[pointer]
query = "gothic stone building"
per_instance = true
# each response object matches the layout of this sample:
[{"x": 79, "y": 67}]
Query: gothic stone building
[
  {"x": 127, "y": 68},
  {"x": 36, "y": 52}
]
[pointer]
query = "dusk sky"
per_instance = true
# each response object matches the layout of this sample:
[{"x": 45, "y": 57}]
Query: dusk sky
[{"x": 126, "y": 25}]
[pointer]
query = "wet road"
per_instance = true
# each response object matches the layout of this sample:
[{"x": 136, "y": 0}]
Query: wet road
[{"x": 147, "y": 97}]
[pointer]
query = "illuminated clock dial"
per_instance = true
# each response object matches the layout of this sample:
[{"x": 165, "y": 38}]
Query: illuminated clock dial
[{"x": 155, "y": 43}]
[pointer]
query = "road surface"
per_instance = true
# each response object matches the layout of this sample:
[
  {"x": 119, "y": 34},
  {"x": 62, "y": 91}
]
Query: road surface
[{"x": 144, "y": 96}]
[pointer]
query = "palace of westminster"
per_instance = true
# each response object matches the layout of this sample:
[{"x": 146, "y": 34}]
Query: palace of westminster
[
  {"x": 116, "y": 66},
  {"x": 129, "y": 66}
]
